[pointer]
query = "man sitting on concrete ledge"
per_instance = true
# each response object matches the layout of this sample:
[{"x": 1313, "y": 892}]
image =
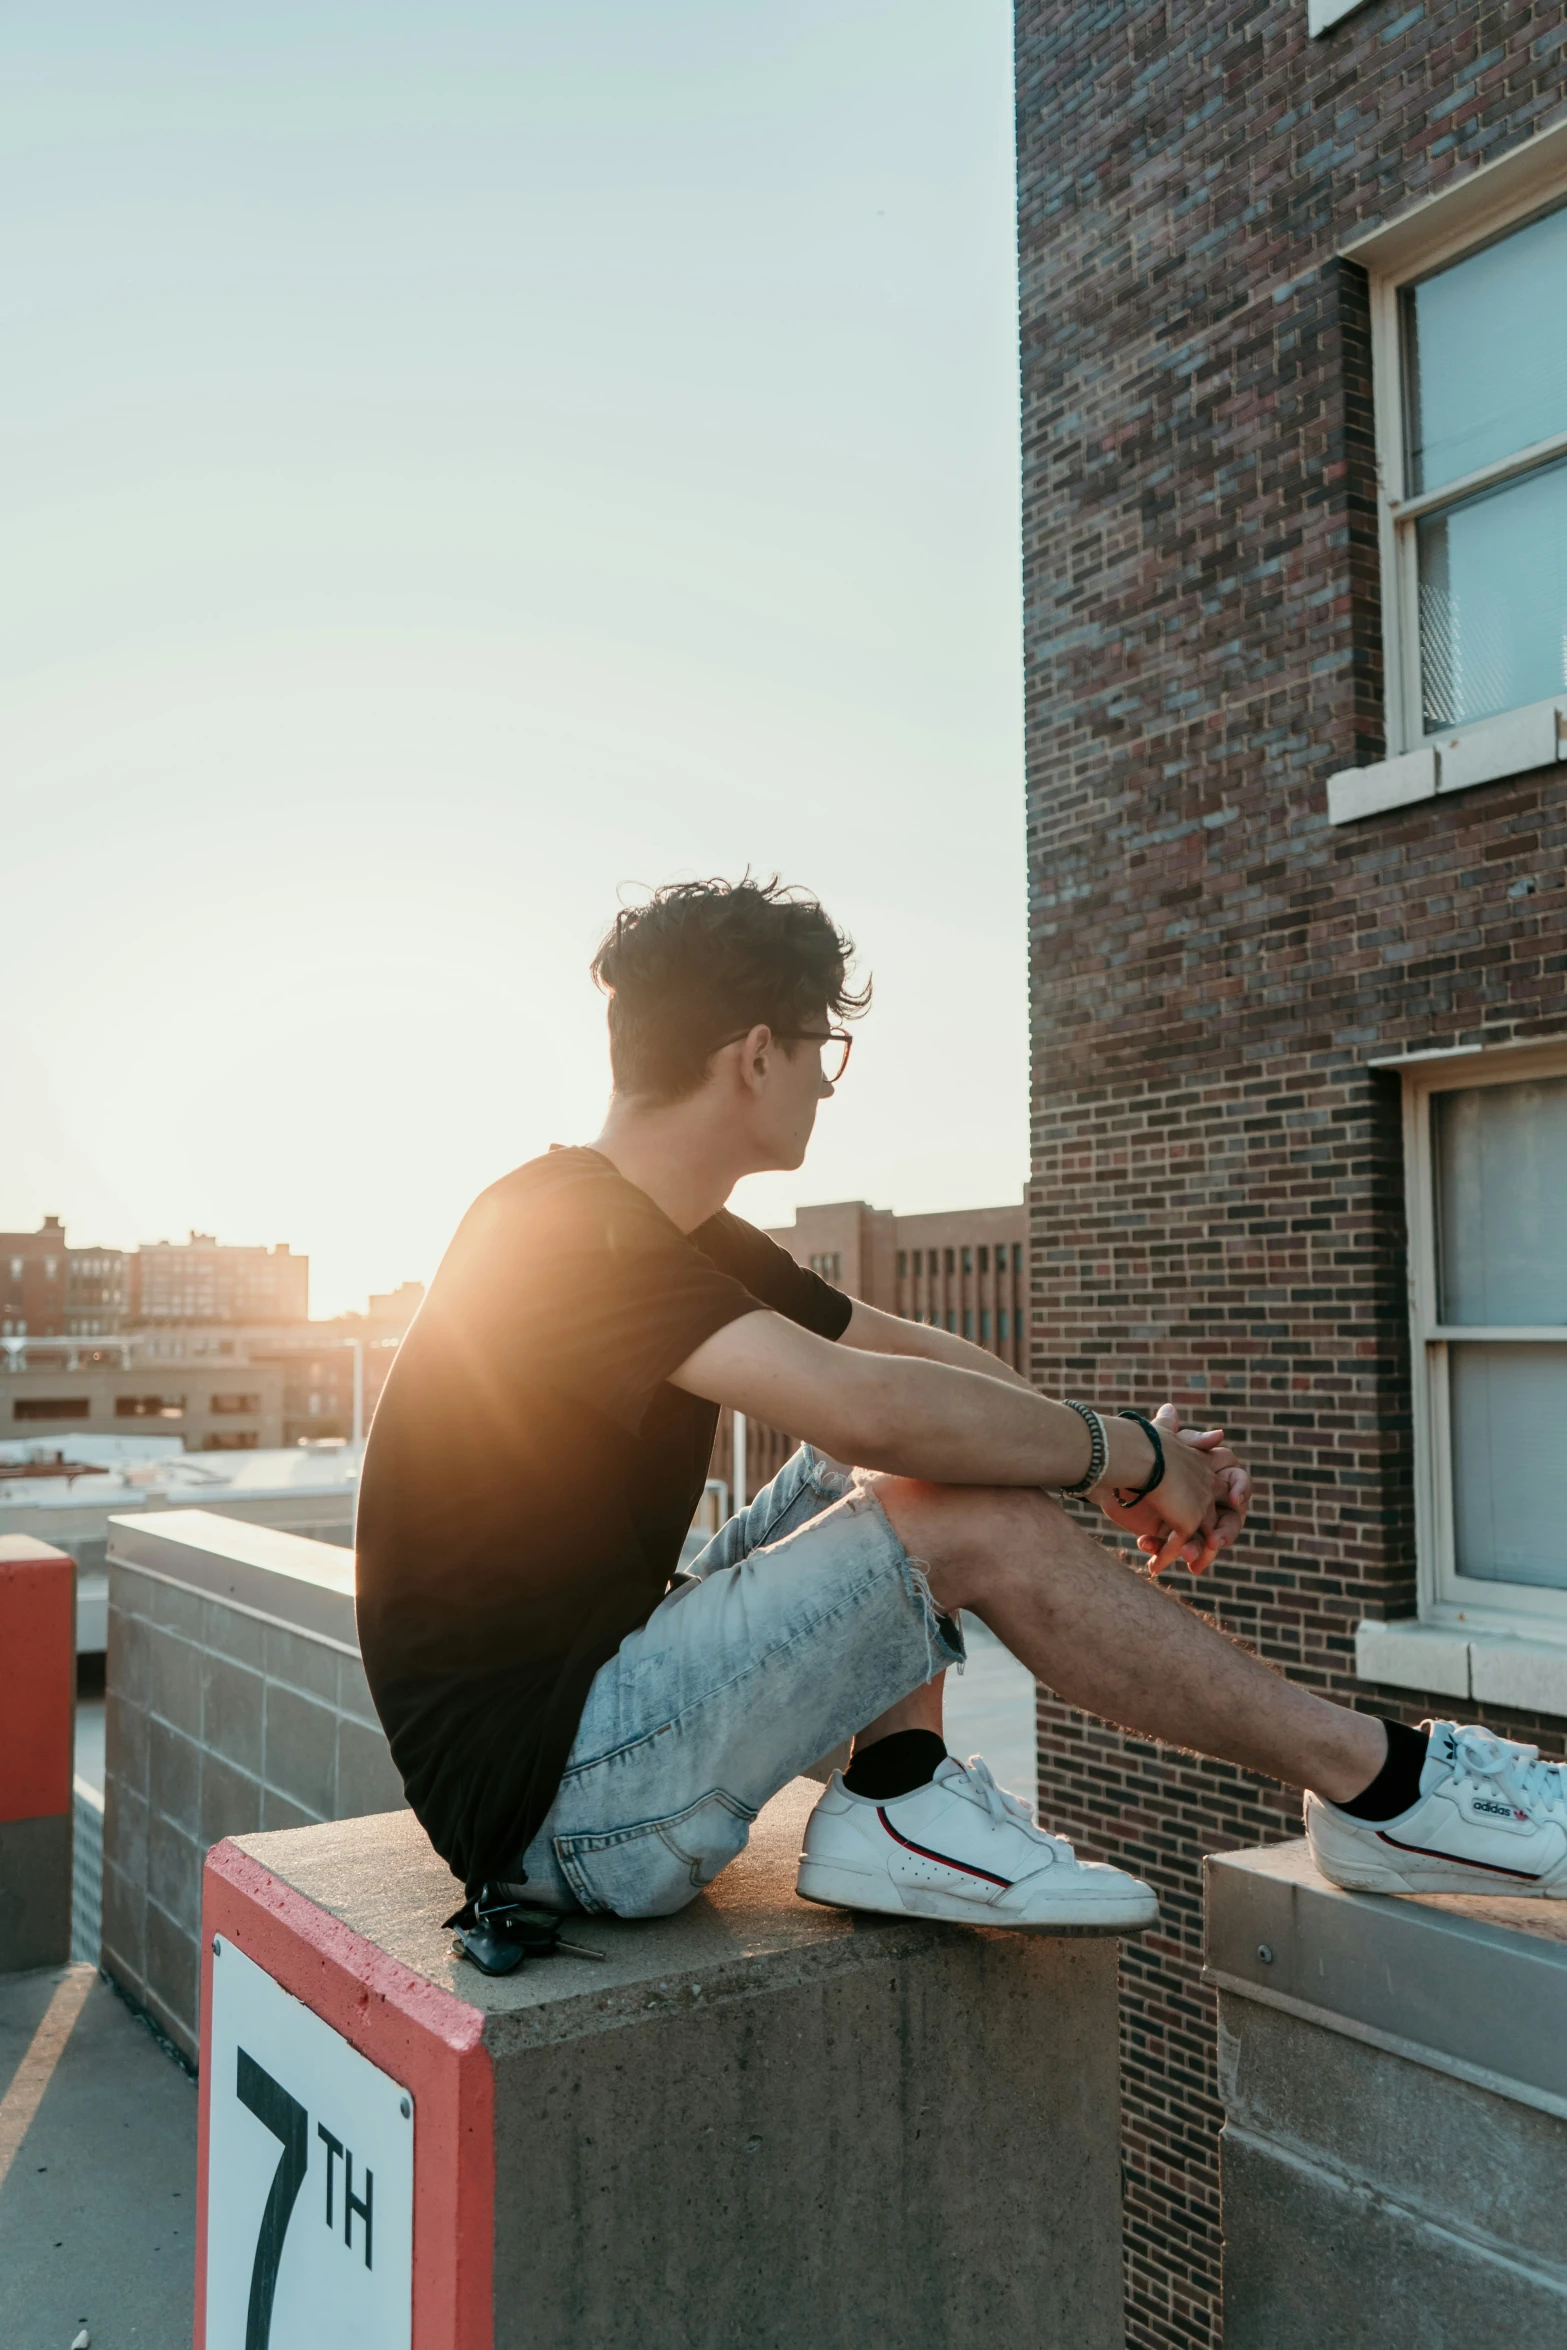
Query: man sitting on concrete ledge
[{"x": 567, "y": 1710}]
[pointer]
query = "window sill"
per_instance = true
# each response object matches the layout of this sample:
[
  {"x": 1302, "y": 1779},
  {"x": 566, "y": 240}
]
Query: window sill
[
  {"x": 1323, "y": 15},
  {"x": 1499, "y": 1668},
  {"x": 1513, "y": 744}
]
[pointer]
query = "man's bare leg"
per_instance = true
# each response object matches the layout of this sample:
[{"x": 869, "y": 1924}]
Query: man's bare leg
[{"x": 1110, "y": 1640}]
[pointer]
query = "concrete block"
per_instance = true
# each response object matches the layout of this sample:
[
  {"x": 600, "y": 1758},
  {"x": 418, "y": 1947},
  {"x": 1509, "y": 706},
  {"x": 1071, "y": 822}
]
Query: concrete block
[
  {"x": 277, "y": 1812},
  {"x": 173, "y": 1608},
  {"x": 1407, "y": 1655},
  {"x": 367, "y": 1778},
  {"x": 174, "y": 1875},
  {"x": 172, "y": 1980},
  {"x": 1512, "y": 744},
  {"x": 174, "y": 1776},
  {"x": 127, "y": 1742},
  {"x": 757, "y": 2122},
  {"x": 299, "y": 1750},
  {"x": 35, "y": 1892},
  {"x": 231, "y": 1715},
  {"x": 125, "y": 1928},
  {"x": 1527, "y": 1673},
  {"x": 126, "y": 1662},
  {"x": 37, "y": 1737},
  {"x": 1312, "y": 2259},
  {"x": 174, "y": 1683},
  {"x": 301, "y": 1663},
  {"x": 1395, "y": 2091},
  {"x": 1393, "y": 783},
  {"x": 235, "y": 1633},
  {"x": 126, "y": 1816},
  {"x": 353, "y": 1692},
  {"x": 230, "y": 1801}
]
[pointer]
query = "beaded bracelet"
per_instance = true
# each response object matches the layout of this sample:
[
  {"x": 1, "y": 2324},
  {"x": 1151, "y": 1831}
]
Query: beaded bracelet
[
  {"x": 1129, "y": 1501},
  {"x": 1099, "y": 1454}
]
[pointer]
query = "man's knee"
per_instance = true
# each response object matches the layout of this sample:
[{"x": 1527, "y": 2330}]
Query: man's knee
[{"x": 966, "y": 1536}]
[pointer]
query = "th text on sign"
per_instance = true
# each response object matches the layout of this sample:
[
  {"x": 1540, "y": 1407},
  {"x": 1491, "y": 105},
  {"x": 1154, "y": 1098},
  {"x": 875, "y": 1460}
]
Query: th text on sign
[{"x": 310, "y": 2178}]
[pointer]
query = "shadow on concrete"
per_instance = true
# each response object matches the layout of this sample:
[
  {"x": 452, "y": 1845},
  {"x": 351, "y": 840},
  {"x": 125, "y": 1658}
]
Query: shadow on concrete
[{"x": 98, "y": 2208}]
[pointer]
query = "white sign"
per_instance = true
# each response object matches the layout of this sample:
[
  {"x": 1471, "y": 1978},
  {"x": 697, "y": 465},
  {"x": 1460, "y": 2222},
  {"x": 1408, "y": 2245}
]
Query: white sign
[{"x": 310, "y": 2178}]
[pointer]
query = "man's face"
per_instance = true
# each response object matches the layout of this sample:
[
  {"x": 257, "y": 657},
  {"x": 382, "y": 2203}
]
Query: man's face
[{"x": 794, "y": 1090}]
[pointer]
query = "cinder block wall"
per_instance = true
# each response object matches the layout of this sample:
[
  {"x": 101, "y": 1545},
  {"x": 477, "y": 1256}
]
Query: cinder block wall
[
  {"x": 218, "y": 1723},
  {"x": 1217, "y": 1190}
]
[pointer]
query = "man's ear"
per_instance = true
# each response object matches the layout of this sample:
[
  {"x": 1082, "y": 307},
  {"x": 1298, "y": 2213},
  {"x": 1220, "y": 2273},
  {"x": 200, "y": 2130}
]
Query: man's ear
[{"x": 756, "y": 1055}]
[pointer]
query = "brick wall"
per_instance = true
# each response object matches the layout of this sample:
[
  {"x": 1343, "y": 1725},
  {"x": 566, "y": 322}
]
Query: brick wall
[{"x": 1217, "y": 1184}]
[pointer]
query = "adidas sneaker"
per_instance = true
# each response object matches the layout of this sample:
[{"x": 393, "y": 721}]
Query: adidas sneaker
[
  {"x": 960, "y": 1848},
  {"x": 1491, "y": 1818}
]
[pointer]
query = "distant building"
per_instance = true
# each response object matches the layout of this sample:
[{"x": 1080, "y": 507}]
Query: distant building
[
  {"x": 70, "y": 1388},
  {"x": 200, "y": 1280},
  {"x": 33, "y": 1281},
  {"x": 962, "y": 1269},
  {"x": 97, "y": 1291}
]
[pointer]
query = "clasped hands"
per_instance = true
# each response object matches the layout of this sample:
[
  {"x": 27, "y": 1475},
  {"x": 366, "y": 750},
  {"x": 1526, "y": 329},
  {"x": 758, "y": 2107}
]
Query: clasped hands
[{"x": 1199, "y": 1507}]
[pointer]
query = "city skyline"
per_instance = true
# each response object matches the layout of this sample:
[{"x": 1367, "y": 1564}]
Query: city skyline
[{"x": 452, "y": 476}]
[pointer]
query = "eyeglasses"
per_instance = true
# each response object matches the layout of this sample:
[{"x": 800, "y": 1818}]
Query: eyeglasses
[{"x": 834, "y": 1060}]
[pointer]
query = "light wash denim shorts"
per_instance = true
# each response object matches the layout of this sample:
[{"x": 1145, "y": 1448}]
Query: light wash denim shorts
[{"x": 804, "y": 1619}]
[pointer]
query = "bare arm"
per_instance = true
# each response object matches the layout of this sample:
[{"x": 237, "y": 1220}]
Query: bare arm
[
  {"x": 879, "y": 1333},
  {"x": 917, "y": 1418}
]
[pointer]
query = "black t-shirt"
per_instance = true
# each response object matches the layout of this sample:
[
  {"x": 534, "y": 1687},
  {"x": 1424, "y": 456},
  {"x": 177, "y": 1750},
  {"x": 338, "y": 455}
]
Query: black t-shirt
[{"x": 531, "y": 1475}]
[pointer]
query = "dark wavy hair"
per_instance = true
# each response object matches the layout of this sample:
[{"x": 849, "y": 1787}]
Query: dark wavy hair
[{"x": 701, "y": 961}]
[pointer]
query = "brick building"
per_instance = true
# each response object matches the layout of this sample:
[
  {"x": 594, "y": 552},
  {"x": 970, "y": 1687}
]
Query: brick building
[
  {"x": 33, "y": 1280},
  {"x": 964, "y": 1268},
  {"x": 203, "y": 1280},
  {"x": 1294, "y": 431}
]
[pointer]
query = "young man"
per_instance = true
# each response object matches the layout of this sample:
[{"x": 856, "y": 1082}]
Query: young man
[{"x": 568, "y": 1711}]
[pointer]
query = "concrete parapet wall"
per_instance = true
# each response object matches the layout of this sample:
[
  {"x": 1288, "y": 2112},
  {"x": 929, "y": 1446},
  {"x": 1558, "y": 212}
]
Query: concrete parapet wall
[
  {"x": 37, "y": 1735},
  {"x": 235, "y": 1702},
  {"x": 1394, "y": 2079},
  {"x": 757, "y": 2122}
]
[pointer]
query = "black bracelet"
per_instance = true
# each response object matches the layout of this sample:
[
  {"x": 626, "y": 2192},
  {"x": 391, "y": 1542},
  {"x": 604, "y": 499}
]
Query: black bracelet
[{"x": 1129, "y": 1501}]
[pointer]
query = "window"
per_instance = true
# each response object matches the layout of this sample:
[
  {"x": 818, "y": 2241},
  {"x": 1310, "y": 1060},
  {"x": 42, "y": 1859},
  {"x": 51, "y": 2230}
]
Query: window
[
  {"x": 968, "y": 1260},
  {"x": 984, "y": 1325},
  {"x": 235, "y": 1405},
  {"x": 231, "y": 1440},
  {"x": 1486, "y": 1146},
  {"x": 952, "y": 1319},
  {"x": 828, "y": 1263},
  {"x": 984, "y": 1260},
  {"x": 51, "y": 1407},
  {"x": 149, "y": 1407},
  {"x": 1001, "y": 1325},
  {"x": 1483, "y": 518},
  {"x": 950, "y": 1264},
  {"x": 968, "y": 1321},
  {"x": 903, "y": 1264}
]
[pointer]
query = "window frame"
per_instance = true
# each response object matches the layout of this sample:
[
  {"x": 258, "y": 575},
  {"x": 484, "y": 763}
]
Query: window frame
[
  {"x": 1446, "y": 1596},
  {"x": 1443, "y": 231}
]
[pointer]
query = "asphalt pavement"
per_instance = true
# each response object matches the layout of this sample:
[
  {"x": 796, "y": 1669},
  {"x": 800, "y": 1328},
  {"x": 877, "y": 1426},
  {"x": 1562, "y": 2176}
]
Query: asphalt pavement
[{"x": 98, "y": 2205}]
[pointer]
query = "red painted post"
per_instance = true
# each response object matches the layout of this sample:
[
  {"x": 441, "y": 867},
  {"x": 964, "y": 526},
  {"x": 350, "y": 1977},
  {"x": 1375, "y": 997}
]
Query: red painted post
[{"x": 37, "y": 1738}]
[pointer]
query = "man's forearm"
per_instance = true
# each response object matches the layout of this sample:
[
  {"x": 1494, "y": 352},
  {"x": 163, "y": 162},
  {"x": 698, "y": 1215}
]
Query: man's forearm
[
  {"x": 906, "y": 1414},
  {"x": 875, "y": 1331}
]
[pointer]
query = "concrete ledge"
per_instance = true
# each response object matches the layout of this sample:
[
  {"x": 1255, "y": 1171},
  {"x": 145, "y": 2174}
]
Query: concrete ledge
[
  {"x": 1450, "y": 1660},
  {"x": 37, "y": 1739},
  {"x": 1394, "y": 2080},
  {"x": 1516, "y": 742},
  {"x": 755, "y": 2122},
  {"x": 285, "y": 1578}
]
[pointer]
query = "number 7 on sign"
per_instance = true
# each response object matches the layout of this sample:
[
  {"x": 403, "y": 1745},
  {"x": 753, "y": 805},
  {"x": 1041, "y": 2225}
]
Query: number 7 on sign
[{"x": 288, "y": 2121}]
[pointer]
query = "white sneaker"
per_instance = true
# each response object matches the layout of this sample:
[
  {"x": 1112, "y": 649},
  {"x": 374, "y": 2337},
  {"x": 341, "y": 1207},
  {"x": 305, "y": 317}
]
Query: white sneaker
[
  {"x": 960, "y": 1848},
  {"x": 1492, "y": 1818}
]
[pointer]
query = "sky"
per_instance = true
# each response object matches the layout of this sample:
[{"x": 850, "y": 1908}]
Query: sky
[{"x": 460, "y": 464}]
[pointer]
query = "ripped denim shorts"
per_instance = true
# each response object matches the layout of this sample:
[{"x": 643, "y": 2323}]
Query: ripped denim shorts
[{"x": 804, "y": 1620}]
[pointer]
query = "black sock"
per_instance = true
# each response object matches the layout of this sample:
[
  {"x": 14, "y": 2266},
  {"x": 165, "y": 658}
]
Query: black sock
[
  {"x": 1397, "y": 1784},
  {"x": 895, "y": 1765}
]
